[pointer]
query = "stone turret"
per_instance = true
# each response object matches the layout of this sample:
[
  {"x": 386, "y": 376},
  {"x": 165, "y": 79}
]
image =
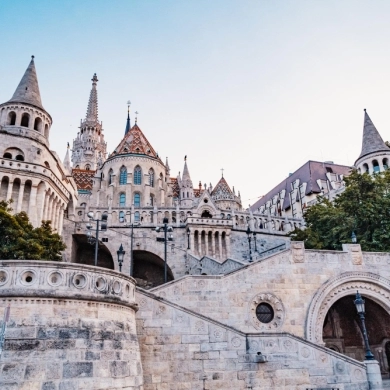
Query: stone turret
[
  {"x": 186, "y": 187},
  {"x": 375, "y": 154},
  {"x": 24, "y": 114},
  {"x": 224, "y": 197},
  {"x": 89, "y": 148}
]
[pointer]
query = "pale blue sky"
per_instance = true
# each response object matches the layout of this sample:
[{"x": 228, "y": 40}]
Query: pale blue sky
[{"x": 254, "y": 87}]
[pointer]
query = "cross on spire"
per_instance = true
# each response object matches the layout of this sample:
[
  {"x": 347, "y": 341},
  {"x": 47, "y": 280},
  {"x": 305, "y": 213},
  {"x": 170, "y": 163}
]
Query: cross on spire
[
  {"x": 222, "y": 171},
  {"x": 136, "y": 116}
]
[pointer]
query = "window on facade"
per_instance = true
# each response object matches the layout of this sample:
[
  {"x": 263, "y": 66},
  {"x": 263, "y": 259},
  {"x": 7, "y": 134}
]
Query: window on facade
[
  {"x": 123, "y": 176},
  {"x": 38, "y": 124},
  {"x": 12, "y": 118},
  {"x": 25, "y": 120},
  {"x": 122, "y": 200},
  {"x": 121, "y": 216},
  {"x": 87, "y": 167},
  {"x": 19, "y": 157},
  {"x": 110, "y": 176},
  {"x": 375, "y": 166},
  {"x": 151, "y": 200},
  {"x": 329, "y": 169},
  {"x": 151, "y": 177},
  {"x": 365, "y": 168},
  {"x": 136, "y": 216},
  {"x": 385, "y": 163},
  {"x": 7, "y": 155},
  {"x": 264, "y": 313},
  {"x": 137, "y": 175},
  {"x": 137, "y": 200}
]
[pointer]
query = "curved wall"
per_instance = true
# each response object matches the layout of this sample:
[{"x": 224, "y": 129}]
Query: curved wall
[{"x": 70, "y": 327}]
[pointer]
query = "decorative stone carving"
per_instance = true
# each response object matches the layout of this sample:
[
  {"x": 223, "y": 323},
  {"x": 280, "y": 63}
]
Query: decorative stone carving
[
  {"x": 355, "y": 252},
  {"x": 277, "y": 306},
  {"x": 298, "y": 251}
]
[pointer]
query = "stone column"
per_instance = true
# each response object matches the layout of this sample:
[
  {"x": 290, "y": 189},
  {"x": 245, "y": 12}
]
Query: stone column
[
  {"x": 32, "y": 205},
  {"x": 9, "y": 189},
  {"x": 20, "y": 197},
  {"x": 206, "y": 239},
  {"x": 61, "y": 219},
  {"x": 220, "y": 244},
  {"x": 213, "y": 243}
]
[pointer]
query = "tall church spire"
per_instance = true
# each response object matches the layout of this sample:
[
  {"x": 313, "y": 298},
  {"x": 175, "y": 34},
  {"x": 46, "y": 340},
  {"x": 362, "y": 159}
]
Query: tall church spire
[
  {"x": 186, "y": 174},
  {"x": 128, "y": 126},
  {"x": 67, "y": 161},
  {"x": 92, "y": 110},
  {"x": 372, "y": 141},
  {"x": 28, "y": 88}
]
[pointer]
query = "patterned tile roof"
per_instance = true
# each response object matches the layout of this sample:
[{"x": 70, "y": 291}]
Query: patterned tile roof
[
  {"x": 135, "y": 142},
  {"x": 83, "y": 179},
  {"x": 175, "y": 187}
]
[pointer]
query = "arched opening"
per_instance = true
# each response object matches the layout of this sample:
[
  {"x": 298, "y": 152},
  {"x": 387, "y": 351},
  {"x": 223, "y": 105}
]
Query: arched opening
[
  {"x": 210, "y": 243},
  {"x": 121, "y": 217},
  {"x": 7, "y": 155},
  {"x": 11, "y": 119},
  {"x": 136, "y": 216},
  {"x": 46, "y": 131},
  {"x": 206, "y": 214},
  {"x": 110, "y": 176},
  {"x": 122, "y": 200},
  {"x": 85, "y": 253},
  {"x": 217, "y": 249},
  {"x": 25, "y": 120},
  {"x": 19, "y": 157},
  {"x": 342, "y": 330},
  {"x": 365, "y": 168},
  {"x": 151, "y": 177},
  {"x": 26, "y": 196},
  {"x": 196, "y": 242},
  {"x": 16, "y": 152},
  {"x": 4, "y": 187},
  {"x": 149, "y": 269},
  {"x": 202, "y": 243},
  {"x": 375, "y": 166},
  {"x": 385, "y": 162},
  {"x": 15, "y": 193},
  {"x": 137, "y": 200},
  {"x": 123, "y": 176},
  {"x": 137, "y": 177},
  {"x": 38, "y": 124}
]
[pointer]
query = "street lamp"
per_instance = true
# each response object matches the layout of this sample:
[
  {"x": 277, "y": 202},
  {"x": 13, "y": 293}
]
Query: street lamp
[
  {"x": 254, "y": 238},
  {"x": 131, "y": 247},
  {"x": 103, "y": 227},
  {"x": 248, "y": 232},
  {"x": 188, "y": 237},
  {"x": 166, "y": 229},
  {"x": 353, "y": 238},
  {"x": 121, "y": 255},
  {"x": 360, "y": 307}
]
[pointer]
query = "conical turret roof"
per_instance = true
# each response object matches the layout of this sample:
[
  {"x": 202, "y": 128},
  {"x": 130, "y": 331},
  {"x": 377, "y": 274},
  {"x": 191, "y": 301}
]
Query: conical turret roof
[
  {"x": 222, "y": 188},
  {"x": 135, "y": 142},
  {"x": 372, "y": 141},
  {"x": 28, "y": 88}
]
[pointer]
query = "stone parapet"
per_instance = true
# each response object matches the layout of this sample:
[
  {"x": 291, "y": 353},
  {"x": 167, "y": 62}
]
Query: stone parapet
[{"x": 70, "y": 327}]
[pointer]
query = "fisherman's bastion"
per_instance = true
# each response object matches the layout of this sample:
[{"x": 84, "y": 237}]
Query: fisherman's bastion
[{"x": 167, "y": 284}]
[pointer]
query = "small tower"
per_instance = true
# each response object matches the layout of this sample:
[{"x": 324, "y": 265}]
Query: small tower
[
  {"x": 375, "y": 154},
  {"x": 89, "y": 148},
  {"x": 224, "y": 197},
  {"x": 186, "y": 187},
  {"x": 24, "y": 111}
]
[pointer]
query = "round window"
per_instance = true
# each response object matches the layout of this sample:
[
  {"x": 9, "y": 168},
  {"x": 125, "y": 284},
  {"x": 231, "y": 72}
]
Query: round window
[{"x": 264, "y": 313}]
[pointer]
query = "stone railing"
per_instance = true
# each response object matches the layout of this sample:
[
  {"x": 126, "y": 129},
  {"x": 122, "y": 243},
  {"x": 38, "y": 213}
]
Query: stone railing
[
  {"x": 30, "y": 278},
  {"x": 209, "y": 221}
]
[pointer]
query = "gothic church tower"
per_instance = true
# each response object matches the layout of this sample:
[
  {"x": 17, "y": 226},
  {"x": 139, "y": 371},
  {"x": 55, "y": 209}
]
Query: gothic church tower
[{"x": 89, "y": 148}]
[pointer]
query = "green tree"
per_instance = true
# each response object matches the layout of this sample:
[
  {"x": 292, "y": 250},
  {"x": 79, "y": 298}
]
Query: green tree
[
  {"x": 20, "y": 240},
  {"x": 363, "y": 208}
]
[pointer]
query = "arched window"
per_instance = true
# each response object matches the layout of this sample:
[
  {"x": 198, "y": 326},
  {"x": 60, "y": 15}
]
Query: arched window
[
  {"x": 19, "y": 157},
  {"x": 122, "y": 200},
  {"x": 11, "y": 118},
  {"x": 385, "y": 163},
  {"x": 123, "y": 176},
  {"x": 137, "y": 175},
  {"x": 38, "y": 124},
  {"x": 46, "y": 131},
  {"x": 151, "y": 177},
  {"x": 137, "y": 200},
  {"x": 87, "y": 167},
  {"x": 25, "y": 120},
  {"x": 7, "y": 155},
  {"x": 375, "y": 166},
  {"x": 151, "y": 200},
  {"x": 136, "y": 216},
  {"x": 365, "y": 168},
  {"x": 121, "y": 216},
  {"x": 110, "y": 176}
]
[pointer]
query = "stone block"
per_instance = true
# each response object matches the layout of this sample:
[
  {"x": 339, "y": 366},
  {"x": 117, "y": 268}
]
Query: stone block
[
  {"x": 77, "y": 369},
  {"x": 119, "y": 369}
]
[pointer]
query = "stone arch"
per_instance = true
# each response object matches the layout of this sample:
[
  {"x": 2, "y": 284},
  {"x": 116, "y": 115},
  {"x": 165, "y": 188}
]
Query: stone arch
[
  {"x": 369, "y": 285},
  {"x": 38, "y": 124},
  {"x": 11, "y": 120},
  {"x": 149, "y": 269},
  {"x": 25, "y": 121}
]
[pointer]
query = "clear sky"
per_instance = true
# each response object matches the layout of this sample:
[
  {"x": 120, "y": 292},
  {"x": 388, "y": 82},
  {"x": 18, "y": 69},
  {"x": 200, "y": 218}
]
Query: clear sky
[{"x": 254, "y": 87}]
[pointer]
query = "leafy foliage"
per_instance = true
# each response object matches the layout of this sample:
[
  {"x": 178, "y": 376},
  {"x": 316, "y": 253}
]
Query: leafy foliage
[
  {"x": 20, "y": 240},
  {"x": 363, "y": 208}
]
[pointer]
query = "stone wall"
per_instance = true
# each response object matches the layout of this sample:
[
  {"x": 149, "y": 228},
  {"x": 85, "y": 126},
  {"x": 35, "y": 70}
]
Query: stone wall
[
  {"x": 181, "y": 349},
  {"x": 71, "y": 327}
]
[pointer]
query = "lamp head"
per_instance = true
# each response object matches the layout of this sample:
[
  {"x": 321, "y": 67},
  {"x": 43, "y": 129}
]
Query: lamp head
[
  {"x": 248, "y": 231},
  {"x": 353, "y": 238},
  {"x": 165, "y": 220},
  {"x": 121, "y": 254},
  {"x": 90, "y": 215},
  {"x": 359, "y": 303}
]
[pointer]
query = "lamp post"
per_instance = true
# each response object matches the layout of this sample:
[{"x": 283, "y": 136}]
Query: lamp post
[
  {"x": 353, "y": 238},
  {"x": 188, "y": 238},
  {"x": 121, "y": 255},
  {"x": 166, "y": 230},
  {"x": 248, "y": 232},
  {"x": 360, "y": 307},
  {"x": 254, "y": 239},
  {"x": 131, "y": 247},
  {"x": 103, "y": 227}
]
